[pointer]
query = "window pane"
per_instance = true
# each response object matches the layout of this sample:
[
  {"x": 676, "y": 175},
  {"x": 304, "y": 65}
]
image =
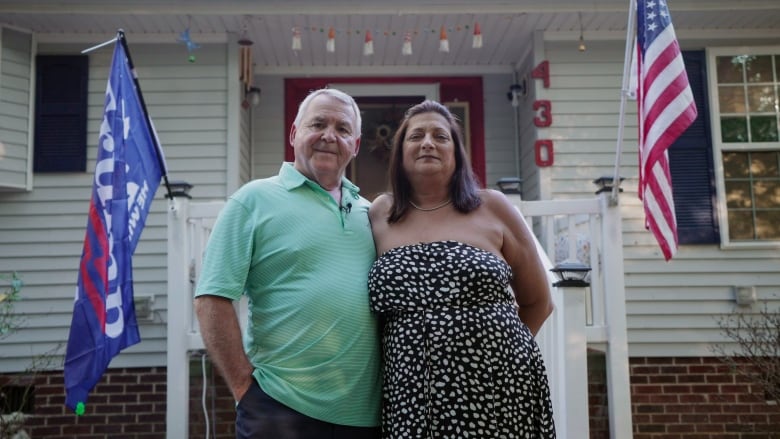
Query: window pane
[
  {"x": 759, "y": 69},
  {"x": 763, "y": 129},
  {"x": 761, "y": 98},
  {"x": 731, "y": 99},
  {"x": 735, "y": 165},
  {"x": 738, "y": 194},
  {"x": 733, "y": 129},
  {"x": 768, "y": 224},
  {"x": 764, "y": 164},
  {"x": 767, "y": 193},
  {"x": 740, "y": 225},
  {"x": 729, "y": 70}
]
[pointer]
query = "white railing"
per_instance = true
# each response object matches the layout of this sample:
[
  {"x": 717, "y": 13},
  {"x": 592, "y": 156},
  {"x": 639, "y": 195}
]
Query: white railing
[{"x": 569, "y": 229}]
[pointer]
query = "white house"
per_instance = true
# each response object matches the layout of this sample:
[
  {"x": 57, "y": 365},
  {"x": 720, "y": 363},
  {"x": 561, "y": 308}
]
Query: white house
[{"x": 540, "y": 100}]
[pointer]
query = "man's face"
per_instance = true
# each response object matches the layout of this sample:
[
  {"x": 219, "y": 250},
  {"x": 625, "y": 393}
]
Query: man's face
[{"x": 326, "y": 140}]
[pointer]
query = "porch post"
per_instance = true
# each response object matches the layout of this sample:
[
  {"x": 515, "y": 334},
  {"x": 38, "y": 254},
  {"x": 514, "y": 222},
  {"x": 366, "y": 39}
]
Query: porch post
[
  {"x": 576, "y": 361},
  {"x": 179, "y": 295},
  {"x": 618, "y": 376}
]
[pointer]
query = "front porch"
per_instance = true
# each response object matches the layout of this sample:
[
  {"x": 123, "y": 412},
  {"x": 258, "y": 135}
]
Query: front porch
[{"x": 588, "y": 230}]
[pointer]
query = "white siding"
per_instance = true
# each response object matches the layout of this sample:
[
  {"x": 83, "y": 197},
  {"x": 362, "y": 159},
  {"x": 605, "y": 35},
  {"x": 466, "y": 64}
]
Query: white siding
[
  {"x": 15, "y": 91},
  {"x": 42, "y": 232},
  {"x": 672, "y": 308},
  {"x": 269, "y": 135}
]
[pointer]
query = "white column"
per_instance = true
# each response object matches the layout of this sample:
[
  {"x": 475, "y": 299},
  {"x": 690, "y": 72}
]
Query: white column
[
  {"x": 618, "y": 377},
  {"x": 576, "y": 363},
  {"x": 179, "y": 295}
]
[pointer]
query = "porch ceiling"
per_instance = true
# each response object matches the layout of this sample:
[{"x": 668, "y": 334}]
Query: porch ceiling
[{"x": 507, "y": 27}]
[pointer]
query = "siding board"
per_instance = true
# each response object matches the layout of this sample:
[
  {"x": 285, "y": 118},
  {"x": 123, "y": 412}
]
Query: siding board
[
  {"x": 42, "y": 231},
  {"x": 682, "y": 297}
]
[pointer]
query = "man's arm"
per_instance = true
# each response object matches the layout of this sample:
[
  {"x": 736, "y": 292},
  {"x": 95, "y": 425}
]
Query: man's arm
[{"x": 222, "y": 338}]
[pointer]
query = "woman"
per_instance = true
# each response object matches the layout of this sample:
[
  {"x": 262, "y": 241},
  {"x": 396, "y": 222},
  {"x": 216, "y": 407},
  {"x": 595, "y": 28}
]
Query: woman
[{"x": 459, "y": 355}]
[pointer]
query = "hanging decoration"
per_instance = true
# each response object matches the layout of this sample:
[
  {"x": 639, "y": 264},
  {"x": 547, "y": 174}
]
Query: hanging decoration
[
  {"x": 369, "y": 35},
  {"x": 581, "y": 46},
  {"x": 330, "y": 45},
  {"x": 368, "y": 45},
  {"x": 296, "y": 39},
  {"x": 477, "y": 40},
  {"x": 245, "y": 67},
  {"x": 406, "y": 49},
  {"x": 184, "y": 37},
  {"x": 444, "y": 43},
  {"x": 245, "y": 62}
]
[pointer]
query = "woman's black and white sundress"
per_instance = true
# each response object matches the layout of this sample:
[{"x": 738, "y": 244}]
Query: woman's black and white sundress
[{"x": 458, "y": 362}]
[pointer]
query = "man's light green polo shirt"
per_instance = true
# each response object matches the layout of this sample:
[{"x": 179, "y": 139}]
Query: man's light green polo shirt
[{"x": 303, "y": 262}]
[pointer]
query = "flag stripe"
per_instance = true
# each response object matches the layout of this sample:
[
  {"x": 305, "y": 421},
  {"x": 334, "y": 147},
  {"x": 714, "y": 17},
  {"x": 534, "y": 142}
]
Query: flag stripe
[{"x": 95, "y": 260}]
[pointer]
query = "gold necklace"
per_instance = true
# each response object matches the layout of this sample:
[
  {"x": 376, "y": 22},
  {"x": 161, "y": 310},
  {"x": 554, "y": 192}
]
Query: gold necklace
[{"x": 428, "y": 209}]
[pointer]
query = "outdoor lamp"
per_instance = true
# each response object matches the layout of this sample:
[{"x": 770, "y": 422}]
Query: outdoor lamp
[
  {"x": 179, "y": 188},
  {"x": 253, "y": 96},
  {"x": 510, "y": 185},
  {"x": 606, "y": 183},
  {"x": 571, "y": 274}
]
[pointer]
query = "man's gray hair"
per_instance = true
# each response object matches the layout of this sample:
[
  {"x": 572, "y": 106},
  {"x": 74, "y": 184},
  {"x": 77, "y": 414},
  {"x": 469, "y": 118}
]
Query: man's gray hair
[{"x": 338, "y": 94}]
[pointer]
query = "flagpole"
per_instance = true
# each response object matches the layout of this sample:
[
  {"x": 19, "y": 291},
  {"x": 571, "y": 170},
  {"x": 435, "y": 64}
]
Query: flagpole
[
  {"x": 630, "y": 31},
  {"x": 121, "y": 37},
  {"x": 99, "y": 45}
]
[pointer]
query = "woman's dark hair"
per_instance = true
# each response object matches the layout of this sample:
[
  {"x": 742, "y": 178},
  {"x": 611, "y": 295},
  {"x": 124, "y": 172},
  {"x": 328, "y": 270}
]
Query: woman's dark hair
[{"x": 463, "y": 187}]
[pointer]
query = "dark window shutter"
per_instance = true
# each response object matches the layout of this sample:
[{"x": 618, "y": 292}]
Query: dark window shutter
[
  {"x": 690, "y": 157},
  {"x": 61, "y": 113}
]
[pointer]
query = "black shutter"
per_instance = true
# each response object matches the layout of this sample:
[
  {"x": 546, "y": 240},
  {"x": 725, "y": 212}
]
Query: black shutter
[
  {"x": 691, "y": 165},
  {"x": 61, "y": 113}
]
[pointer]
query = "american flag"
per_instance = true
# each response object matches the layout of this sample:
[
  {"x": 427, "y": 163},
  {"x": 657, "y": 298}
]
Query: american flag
[{"x": 666, "y": 110}]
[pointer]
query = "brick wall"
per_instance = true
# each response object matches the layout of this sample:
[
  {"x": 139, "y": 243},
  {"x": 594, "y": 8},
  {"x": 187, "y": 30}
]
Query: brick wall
[
  {"x": 129, "y": 404},
  {"x": 698, "y": 398},
  {"x": 672, "y": 398}
]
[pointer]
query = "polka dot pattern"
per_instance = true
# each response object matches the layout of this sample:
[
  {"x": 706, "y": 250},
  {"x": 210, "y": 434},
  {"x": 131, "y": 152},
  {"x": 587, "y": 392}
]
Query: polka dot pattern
[{"x": 458, "y": 362}]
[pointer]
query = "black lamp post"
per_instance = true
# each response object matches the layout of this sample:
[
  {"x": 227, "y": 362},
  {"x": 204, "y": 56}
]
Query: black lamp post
[
  {"x": 571, "y": 274},
  {"x": 606, "y": 183},
  {"x": 179, "y": 188},
  {"x": 510, "y": 185}
]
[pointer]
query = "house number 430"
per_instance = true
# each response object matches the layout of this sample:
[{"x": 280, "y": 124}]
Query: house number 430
[{"x": 543, "y": 148}]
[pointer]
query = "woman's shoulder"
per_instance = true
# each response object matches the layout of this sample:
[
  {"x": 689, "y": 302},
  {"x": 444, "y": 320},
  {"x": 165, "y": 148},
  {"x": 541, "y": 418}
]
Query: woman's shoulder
[
  {"x": 494, "y": 199},
  {"x": 381, "y": 205}
]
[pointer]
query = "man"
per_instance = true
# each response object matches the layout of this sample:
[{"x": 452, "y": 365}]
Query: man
[{"x": 299, "y": 245}]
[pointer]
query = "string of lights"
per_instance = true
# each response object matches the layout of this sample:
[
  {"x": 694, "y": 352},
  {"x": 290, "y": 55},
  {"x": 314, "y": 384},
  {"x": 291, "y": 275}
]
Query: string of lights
[{"x": 369, "y": 35}]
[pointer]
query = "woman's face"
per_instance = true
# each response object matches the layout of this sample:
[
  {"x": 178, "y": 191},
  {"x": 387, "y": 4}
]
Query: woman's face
[{"x": 428, "y": 146}]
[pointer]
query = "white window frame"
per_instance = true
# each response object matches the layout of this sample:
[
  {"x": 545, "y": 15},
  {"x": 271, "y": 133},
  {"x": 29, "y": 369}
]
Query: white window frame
[{"x": 718, "y": 147}]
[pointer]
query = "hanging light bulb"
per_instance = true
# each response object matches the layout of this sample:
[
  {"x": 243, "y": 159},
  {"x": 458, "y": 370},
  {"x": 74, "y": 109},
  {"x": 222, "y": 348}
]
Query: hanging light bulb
[
  {"x": 296, "y": 39},
  {"x": 330, "y": 45},
  {"x": 406, "y": 49},
  {"x": 476, "y": 42},
  {"x": 582, "y": 46},
  {"x": 444, "y": 43},
  {"x": 368, "y": 46}
]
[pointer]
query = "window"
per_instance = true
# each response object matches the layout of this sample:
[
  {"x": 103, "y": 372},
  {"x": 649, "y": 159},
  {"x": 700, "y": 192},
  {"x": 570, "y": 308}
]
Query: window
[
  {"x": 61, "y": 113},
  {"x": 746, "y": 117}
]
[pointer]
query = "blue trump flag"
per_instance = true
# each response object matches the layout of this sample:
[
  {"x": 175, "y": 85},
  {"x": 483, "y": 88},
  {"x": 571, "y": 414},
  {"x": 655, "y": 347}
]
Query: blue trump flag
[{"x": 129, "y": 167}]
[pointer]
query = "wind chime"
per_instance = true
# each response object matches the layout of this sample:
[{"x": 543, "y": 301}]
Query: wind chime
[{"x": 245, "y": 67}]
